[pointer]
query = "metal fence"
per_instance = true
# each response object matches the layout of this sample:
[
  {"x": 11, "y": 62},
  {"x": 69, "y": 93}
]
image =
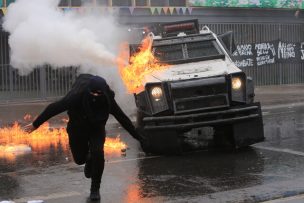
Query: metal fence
[{"x": 44, "y": 82}]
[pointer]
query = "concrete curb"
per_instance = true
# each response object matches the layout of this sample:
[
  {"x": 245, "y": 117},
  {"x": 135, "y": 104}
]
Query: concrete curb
[{"x": 282, "y": 106}]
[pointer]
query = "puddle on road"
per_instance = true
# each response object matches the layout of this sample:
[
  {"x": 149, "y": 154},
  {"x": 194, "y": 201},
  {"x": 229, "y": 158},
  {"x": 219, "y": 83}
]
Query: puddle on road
[{"x": 177, "y": 176}]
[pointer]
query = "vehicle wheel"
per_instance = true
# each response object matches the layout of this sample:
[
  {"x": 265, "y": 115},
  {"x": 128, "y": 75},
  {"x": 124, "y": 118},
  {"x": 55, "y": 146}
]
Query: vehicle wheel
[
  {"x": 164, "y": 142},
  {"x": 223, "y": 137}
]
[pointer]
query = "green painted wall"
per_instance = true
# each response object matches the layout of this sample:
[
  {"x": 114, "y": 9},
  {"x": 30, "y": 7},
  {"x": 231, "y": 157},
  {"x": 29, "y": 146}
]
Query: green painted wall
[{"x": 292, "y": 4}]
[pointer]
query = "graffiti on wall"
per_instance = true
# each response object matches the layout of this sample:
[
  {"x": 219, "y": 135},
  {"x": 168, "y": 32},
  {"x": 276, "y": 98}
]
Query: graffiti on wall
[
  {"x": 258, "y": 54},
  {"x": 249, "y": 3}
]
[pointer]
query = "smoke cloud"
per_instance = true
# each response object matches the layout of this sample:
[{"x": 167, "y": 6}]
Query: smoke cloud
[{"x": 41, "y": 33}]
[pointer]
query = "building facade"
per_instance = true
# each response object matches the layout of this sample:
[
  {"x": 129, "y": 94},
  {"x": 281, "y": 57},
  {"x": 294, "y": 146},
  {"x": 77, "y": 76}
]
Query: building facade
[{"x": 269, "y": 37}]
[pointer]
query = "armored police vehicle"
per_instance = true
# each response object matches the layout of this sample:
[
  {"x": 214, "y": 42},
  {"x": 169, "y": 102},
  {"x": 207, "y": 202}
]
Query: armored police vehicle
[{"x": 203, "y": 99}]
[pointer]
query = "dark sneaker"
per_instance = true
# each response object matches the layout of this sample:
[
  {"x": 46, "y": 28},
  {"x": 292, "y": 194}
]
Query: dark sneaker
[
  {"x": 94, "y": 196},
  {"x": 88, "y": 169}
]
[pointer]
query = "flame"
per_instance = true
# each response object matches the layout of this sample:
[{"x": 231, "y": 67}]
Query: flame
[
  {"x": 114, "y": 146},
  {"x": 9, "y": 152},
  {"x": 114, "y": 143},
  {"x": 141, "y": 64},
  {"x": 13, "y": 139},
  {"x": 39, "y": 140}
]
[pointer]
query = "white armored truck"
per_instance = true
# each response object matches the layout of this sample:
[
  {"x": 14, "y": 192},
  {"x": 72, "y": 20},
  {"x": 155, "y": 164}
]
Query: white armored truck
[{"x": 203, "y": 99}]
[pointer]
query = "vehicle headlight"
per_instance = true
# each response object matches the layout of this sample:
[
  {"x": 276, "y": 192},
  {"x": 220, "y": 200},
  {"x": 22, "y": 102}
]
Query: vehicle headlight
[
  {"x": 238, "y": 88},
  {"x": 157, "y": 97},
  {"x": 236, "y": 83},
  {"x": 156, "y": 93}
]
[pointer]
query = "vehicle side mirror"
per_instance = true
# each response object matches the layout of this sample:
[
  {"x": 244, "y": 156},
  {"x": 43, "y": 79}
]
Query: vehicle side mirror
[{"x": 228, "y": 41}]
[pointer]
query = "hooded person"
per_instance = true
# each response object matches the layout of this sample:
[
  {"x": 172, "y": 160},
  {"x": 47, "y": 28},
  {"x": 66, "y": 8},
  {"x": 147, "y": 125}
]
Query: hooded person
[{"x": 88, "y": 104}]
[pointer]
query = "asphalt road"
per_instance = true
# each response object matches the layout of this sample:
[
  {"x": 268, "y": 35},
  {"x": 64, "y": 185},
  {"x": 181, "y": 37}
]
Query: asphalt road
[{"x": 271, "y": 171}]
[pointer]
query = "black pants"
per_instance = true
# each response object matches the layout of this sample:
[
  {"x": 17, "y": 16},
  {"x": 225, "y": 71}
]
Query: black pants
[{"x": 85, "y": 140}]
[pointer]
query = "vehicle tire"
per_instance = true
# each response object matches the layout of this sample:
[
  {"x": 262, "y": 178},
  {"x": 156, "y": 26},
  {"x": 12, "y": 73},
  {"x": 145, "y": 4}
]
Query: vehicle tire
[
  {"x": 164, "y": 142},
  {"x": 223, "y": 137},
  {"x": 160, "y": 142}
]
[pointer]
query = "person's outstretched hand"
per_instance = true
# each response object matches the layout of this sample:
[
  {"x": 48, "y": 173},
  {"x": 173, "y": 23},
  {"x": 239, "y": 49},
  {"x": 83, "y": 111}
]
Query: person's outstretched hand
[{"x": 29, "y": 128}]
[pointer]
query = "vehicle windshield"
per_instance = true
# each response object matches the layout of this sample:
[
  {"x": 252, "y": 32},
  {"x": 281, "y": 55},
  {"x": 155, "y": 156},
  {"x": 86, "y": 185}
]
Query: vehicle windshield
[{"x": 185, "y": 52}]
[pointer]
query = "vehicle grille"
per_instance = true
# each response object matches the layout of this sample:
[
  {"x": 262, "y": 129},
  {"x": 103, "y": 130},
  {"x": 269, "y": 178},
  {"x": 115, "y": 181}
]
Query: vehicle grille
[{"x": 199, "y": 94}]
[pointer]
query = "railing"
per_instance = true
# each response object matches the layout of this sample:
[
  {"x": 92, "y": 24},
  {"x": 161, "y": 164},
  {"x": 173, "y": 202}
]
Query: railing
[{"x": 45, "y": 83}]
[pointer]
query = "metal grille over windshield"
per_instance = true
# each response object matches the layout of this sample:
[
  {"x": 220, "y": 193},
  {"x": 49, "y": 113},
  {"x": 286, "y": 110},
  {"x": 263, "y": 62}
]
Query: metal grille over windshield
[
  {"x": 169, "y": 52},
  {"x": 201, "y": 49},
  {"x": 182, "y": 52}
]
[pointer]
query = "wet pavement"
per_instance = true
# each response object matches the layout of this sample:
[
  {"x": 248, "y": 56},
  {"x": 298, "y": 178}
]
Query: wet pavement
[{"x": 267, "y": 171}]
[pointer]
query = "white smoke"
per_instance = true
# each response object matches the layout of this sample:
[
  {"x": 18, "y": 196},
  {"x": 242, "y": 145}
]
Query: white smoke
[{"x": 41, "y": 33}]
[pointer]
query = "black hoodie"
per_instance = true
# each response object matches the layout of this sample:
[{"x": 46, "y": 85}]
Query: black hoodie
[{"x": 86, "y": 110}]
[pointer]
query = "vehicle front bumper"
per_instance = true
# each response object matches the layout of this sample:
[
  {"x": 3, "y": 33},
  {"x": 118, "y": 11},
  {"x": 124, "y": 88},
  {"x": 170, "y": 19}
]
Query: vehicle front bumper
[{"x": 195, "y": 120}]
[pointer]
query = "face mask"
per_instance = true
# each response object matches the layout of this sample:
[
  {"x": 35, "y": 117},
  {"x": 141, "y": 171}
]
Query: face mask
[{"x": 97, "y": 101}]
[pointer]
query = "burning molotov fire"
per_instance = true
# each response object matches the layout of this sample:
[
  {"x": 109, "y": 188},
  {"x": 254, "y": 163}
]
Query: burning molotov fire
[
  {"x": 114, "y": 143},
  {"x": 141, "y": 64},
  {"x": 10, "y": 151},
  {"x": 14, "y": 141},
  {"x": 114, "y": 146}
]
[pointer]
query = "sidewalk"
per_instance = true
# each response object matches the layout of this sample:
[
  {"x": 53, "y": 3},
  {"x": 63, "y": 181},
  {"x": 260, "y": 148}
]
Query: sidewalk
[
  {"x": 278, "y": 95},
  {"x": 269, "y": 96}
]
